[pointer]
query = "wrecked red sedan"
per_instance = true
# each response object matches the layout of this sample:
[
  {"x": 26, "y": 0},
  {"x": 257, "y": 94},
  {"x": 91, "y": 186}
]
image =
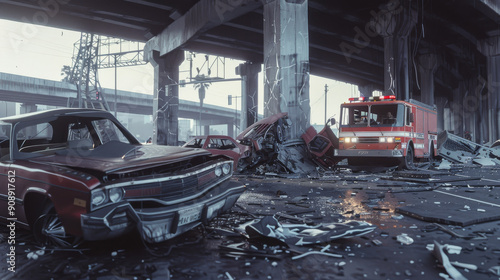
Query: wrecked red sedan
[{"x": 69, "y": 174}]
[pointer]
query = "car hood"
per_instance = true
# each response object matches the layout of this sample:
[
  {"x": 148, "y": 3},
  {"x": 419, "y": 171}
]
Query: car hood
[{"x": 120, "y": 157}]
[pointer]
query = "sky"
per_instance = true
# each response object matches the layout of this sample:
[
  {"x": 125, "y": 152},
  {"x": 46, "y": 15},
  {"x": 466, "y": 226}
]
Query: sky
[{"x": 41, "y": 52}]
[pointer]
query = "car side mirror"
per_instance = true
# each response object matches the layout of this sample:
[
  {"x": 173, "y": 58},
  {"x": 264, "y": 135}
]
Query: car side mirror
[{"x": 332, "y": 121}]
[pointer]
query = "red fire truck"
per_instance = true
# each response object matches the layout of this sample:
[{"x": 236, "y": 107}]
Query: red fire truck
[{"x": 382, "y": 130}]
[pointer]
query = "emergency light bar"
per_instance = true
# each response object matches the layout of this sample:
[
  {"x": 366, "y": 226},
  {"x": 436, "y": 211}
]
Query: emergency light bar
[
  {"x": 357, "y": 99},
  {"x": 374, "y": 98}
]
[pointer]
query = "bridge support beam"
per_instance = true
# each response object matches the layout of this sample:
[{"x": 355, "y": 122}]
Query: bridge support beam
[
  {"x": 286, "y": 62},
  {"x": 427, "y": 66},
  {"x": 249, "y": 73},
  {"x": 166, "y": 97},
  {"x": 395, "y": 26}
]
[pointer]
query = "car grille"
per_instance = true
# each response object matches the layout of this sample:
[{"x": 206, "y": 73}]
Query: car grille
[{"x": 169, "y": 188}]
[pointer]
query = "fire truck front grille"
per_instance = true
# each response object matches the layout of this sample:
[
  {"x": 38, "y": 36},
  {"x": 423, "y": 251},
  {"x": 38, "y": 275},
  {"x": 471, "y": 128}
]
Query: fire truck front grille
[{"x": 368, "y": 140}]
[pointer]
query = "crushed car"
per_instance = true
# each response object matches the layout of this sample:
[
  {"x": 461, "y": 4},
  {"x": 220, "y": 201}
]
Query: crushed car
[
  {"x": 220, "y": 145},
  {"x": 73, "y": 174},
  {"x": 272, "y": 151}
]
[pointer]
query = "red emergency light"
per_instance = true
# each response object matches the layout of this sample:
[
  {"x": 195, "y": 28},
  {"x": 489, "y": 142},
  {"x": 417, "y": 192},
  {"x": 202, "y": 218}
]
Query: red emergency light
[
  {"x": 357, "y": 99},
  {"x": 387, "y": 97}
]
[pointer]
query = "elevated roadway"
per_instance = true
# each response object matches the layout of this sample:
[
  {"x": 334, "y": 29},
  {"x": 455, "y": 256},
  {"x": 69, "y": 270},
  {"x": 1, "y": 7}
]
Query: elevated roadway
[{"x": 22, "y": 89}]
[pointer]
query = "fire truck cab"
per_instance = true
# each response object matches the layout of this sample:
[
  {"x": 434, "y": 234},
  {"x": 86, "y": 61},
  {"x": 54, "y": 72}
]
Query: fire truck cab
[{"x": 382, "y": 130}]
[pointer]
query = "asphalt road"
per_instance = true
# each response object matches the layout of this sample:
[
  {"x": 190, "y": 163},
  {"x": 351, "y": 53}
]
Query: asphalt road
[{"x": 458, "y": 207}]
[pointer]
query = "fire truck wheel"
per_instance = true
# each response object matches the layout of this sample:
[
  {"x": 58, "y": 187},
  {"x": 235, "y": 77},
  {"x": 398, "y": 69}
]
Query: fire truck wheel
[{"x": 407, "y": 162}]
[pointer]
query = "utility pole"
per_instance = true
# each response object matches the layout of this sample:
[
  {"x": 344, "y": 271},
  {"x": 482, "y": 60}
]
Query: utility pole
[{"x": 326, "y": 91}]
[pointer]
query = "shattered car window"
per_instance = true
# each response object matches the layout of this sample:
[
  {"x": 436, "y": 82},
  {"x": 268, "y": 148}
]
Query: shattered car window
[
  {"x": 107, "y": 131},
  {"x": 4, "y": 142},
  {"x": 227, "y": 144},
  {"x": 196, "y": 143}
]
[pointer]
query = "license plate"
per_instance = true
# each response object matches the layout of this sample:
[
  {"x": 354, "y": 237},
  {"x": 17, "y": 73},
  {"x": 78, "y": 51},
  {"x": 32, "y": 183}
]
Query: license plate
[{"x": 189, "y": 215}]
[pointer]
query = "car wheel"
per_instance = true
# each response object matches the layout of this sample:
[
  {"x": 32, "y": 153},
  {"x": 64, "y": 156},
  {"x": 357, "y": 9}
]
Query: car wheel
[
  {"x": 49, "y": 231},
  {"x": 407, "y": 162}
]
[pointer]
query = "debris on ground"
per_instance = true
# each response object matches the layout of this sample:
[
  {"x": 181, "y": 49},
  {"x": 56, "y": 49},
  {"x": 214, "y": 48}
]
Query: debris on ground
[
  {"x": 460, "y": 150},
  {"x": 302, "y": 234}
]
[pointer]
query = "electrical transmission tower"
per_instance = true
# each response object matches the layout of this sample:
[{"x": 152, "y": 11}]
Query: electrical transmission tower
[{"x": 93, "y": 52}]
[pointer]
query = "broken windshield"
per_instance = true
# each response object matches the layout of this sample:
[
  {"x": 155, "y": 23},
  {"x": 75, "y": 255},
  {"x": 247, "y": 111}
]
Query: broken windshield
[{"x": 372, "y": 115}]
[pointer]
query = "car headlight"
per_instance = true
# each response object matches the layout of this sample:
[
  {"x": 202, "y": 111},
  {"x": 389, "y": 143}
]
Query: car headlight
[
  {"x": 226, "y": 168},
  {"x": 115, "y": 194},
  {"x": 218, "y": 171},
  {"x": 98, "y": 197}
]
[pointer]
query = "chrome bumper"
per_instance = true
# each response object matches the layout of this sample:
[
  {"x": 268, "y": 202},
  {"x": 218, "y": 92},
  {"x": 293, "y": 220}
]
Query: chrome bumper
[
  {"x": 159, "y": 223},
  {"x": 369, "y": 153}
]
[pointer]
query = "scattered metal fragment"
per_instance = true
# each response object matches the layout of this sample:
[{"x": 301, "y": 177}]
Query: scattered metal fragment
[
  {"x": 443, "y": 259},
  {"x": 464, "y": 265},
  {"x": 495, "y": 270},
  {"x": 317, "y": 253},
  {"x": 404, "y": 239},
  {"x": 304, "y": 234},
  {"x": 460, "y": 150}
]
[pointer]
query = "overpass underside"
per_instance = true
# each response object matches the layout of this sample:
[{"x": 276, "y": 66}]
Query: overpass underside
[
  {"x": 440, "y": 52},
  {"x": 443, "y": 53}
]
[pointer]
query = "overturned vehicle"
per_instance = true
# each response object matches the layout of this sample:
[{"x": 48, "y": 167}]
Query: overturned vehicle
[{"x": 69, "y": 174}]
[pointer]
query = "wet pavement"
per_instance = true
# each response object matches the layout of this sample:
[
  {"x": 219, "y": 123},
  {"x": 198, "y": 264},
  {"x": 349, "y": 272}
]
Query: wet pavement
[{"x": 411, "y": 211}]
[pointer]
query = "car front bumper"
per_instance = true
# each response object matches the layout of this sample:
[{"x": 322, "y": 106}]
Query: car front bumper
[
  {"x": 157, "y": 224},
  {"x": 369, "y": 153}
]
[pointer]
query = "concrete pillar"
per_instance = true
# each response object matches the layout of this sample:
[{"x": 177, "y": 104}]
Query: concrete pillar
[
  {"x": 394, "y": 25},
  {"x": 7, "y": 109},
  {"x": 28, "y": 108},
  {"x": 366, "y": 90},
  {"x": 440, "y": 104},
  {"x": 230, "y": 130},
  {"x": 286, "y": 62},
  {"x": 427, "y": 65},
  {"x": 166, "y": 97},
  {"x": 206, "y": 130},
  {"x": 249, "y": 73},
  {"x": 458, "y": 109},
  {"x": 491, "y": 49}
]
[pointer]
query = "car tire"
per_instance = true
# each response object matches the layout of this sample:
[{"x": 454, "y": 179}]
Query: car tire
[{"x": 49, "y": 231}]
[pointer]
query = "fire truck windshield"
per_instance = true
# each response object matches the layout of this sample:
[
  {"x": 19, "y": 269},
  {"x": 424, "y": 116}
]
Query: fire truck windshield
[{"x": 360, "y": 115}]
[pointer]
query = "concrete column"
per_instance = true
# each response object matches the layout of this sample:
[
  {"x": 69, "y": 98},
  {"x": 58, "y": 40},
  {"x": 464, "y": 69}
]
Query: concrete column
[
  {"x": 440, "y": 104},
  {"x": 166, "y": 97},
  {"x": 427, "y": 65},
  {"x": 286, "y": 62},
  {"x": 457, "y": 107},
  {"x": 7, "y": 109},
  {"x": 366, "y": 90},
  {"x": 491, "y": 49},
  {"x": 249, "y": 73},
  {"x": 230, "y": 130},
  {"x": 394, "y": 25},
  {"x": 206, "y": 130},
  {"x": 28, "y": 108}
]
